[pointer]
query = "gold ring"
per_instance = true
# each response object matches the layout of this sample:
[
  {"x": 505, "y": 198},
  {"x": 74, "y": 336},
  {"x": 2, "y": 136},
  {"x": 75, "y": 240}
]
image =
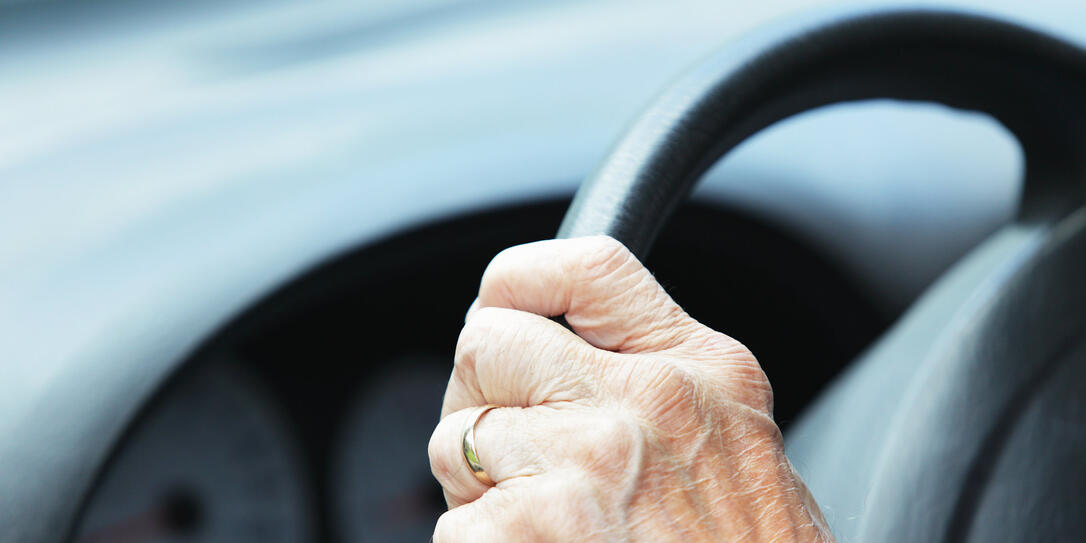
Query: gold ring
[{"x": 468, "y": 445}]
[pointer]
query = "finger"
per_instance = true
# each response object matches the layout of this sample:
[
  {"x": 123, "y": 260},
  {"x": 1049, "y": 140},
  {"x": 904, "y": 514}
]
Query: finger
[
  {"x": 558, "y": 506},
  {"x": 515, "y": 443},
  {"x": 500, "y": 444},
  {"x": 447, "y": 461},
  {"x": 510, "y": 357},
  {"x": 491, "y": 519},
  {"x": 605, "y": 293}
]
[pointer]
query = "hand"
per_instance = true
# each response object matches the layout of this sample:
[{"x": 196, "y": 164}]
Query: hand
[{"x": 645, "y": 425}]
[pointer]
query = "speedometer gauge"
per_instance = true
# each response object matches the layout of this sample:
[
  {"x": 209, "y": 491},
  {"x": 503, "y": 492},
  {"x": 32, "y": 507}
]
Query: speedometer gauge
[
  {"x": 384, "y": 489},
  {"x": 210, "y": 462}
]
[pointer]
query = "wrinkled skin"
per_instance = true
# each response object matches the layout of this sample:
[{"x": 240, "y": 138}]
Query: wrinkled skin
[{"x": 644, "y": 425}]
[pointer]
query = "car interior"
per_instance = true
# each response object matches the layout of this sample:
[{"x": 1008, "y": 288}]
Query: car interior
[{"x": 216, "y": 299}]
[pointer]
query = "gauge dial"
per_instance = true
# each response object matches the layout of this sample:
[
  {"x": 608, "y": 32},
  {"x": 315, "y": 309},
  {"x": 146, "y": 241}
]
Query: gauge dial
[
  {"x": 211, "y": 461},
  {"x": 384, "y": 489}
]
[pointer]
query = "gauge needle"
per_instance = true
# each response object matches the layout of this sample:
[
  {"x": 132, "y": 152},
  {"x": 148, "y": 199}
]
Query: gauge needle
[{"x": 178, "y": 513}]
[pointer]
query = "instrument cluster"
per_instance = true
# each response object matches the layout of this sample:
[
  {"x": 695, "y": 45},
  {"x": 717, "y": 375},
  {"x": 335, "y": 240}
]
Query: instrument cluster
[{"x": 217, "y": 459}]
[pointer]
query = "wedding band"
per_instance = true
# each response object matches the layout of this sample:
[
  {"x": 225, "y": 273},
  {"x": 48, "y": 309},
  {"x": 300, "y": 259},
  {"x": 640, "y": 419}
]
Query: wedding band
[{"x": 468, "y": 444}]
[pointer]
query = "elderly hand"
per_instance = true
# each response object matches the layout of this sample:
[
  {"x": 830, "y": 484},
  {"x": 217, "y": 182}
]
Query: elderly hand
[{"x": 645, "y": 425}]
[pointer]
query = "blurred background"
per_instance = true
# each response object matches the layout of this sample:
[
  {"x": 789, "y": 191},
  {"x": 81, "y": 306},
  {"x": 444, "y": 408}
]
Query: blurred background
[{"x": 296, "y": 199}]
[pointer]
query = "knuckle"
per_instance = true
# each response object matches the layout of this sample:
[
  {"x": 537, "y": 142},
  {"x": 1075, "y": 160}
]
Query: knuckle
[
  {"x": 449, "y": 527},
  {"x": 617, "y": 431},
  {"x": 752, "y": 386},
  {"x": 471, "y": 333},
  {"x": 443, "y": 449},
  {"x": 475, "y": 336},
  {"x": 439, "y": 462},
  {"x": 603, "y": 256},
  {"x": 730, "y": 348},
  {"x": 616, "y": 441},
  {"x": 507, "y": 258},
  {"x": 499, "y": 273},
  {"x": 741, "y": 375},
  {"x": 482, "y": 322},
  {"x": 670, "y": 397},
  {"x": 498, "y": 516},
  {"x": 570, "y": 499},
  {"x": 670, "y": 378}
]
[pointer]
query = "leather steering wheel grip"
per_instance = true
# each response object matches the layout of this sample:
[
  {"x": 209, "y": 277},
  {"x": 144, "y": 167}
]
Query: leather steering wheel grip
[{"x": 1032, "y": 83}]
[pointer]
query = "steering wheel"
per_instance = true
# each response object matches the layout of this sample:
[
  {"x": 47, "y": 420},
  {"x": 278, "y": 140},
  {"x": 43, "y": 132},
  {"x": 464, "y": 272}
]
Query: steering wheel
[{"x": 967, "y": 421}]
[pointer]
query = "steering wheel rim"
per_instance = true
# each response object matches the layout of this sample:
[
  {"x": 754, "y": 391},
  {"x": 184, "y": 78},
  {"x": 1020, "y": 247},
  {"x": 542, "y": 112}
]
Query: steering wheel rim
[{"x": 1031, "y": 83}]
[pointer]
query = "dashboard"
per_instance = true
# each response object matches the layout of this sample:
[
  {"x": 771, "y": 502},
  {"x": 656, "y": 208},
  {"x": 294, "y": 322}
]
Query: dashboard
[
  {"x": 261, "y": 222},
  {"x": 269, "y": 433}
]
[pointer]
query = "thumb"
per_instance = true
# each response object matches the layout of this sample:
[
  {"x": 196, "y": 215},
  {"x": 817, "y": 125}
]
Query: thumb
[{"x": 606, "y": 295}]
